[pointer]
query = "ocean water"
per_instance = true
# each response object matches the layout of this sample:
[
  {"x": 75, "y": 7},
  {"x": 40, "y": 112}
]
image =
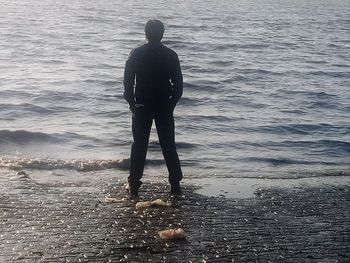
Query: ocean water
[{"x": 266, "y": 93}]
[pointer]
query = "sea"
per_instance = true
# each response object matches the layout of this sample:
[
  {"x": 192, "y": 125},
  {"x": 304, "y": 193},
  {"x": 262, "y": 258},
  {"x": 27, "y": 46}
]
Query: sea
[{"x": 266, "y": 86}]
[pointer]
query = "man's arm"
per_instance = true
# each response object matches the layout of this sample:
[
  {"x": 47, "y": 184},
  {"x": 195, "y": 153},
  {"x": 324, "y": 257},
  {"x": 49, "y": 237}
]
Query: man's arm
[
  {"x": 129, "y": 81},
  {"x": 177, "y": 81}
]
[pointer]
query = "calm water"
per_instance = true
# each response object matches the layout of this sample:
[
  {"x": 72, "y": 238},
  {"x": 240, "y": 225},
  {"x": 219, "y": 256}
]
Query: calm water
[{"x": 267, "y": 84}]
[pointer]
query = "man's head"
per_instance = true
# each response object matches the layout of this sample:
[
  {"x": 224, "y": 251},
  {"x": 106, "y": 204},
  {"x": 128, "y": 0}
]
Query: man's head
[{"x": 154, "y": 30}]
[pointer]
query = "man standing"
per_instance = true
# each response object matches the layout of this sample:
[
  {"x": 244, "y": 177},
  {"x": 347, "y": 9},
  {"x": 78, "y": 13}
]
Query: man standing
[{"x": 152, "y": 86}]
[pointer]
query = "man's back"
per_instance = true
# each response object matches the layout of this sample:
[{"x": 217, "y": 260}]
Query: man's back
[{"x": 157, "y": 72}]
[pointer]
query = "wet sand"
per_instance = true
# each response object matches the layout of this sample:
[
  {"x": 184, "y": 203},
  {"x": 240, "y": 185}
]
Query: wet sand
[{"x": 68, "y": 221}]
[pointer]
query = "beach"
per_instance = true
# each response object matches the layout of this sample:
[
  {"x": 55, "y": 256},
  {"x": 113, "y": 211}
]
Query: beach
[
  {"x": 262, "y": 132},
  {"x": 65, "y": 220}
]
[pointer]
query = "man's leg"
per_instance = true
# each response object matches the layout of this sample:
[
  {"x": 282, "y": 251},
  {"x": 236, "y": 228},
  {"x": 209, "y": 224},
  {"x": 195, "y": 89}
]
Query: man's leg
[
  {"x": 166, "y": 134},
  {"x": 141, "y": 126}
]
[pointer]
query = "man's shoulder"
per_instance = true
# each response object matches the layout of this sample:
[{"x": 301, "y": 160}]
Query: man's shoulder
[
  {"x": 170, "y": 52},
  {"x": 169, "y": 49},
  {"x": 136, "y": 51},
  {"x": 141, "y": 47}
]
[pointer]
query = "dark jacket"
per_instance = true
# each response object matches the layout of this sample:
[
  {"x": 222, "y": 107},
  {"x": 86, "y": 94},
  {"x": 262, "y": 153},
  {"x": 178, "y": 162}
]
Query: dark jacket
[{"x": 157, "y": 73}]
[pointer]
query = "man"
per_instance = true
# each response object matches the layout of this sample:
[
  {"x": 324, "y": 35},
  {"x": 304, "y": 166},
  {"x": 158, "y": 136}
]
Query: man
[{"x": 152, "y": 86}]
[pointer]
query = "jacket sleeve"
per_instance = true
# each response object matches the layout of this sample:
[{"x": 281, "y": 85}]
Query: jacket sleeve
[
  {"x": 177, "y": 81},
  {"x": 129, "y": 79}
]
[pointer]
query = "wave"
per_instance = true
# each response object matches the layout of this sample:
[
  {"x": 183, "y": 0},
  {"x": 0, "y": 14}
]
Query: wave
[
  {"x": 208, "y": 118},
  {"x": 284, "y": 161},
  {"x": 236, "y": 46},
  {"x": 154, "y": 145},
  {"x": 335, "y": 74},
  {"x": 22, "y": 109},
  {"x": 60, "y": 96},
  {"x": 304, "y": 129},
  {"x": 203, "y": 85},
  {"x": 26, "y": 107},
  {"x": 22, "y": 136},
  {"x": 309, "y": 94},
  {"x": 187, "y": 101},
  {"x": 323, "y": 149},
  {"x": 259, "y": 72},
  {"x": 101, "y": 82},
  {"x": 15, "y": 93},
  {"x": 322, "y": 146},
  {"x": 82, "y": 165}
]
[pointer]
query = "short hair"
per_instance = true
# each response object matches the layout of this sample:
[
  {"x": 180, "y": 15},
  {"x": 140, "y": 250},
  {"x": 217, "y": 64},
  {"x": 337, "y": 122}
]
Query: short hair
[{"x": 154, "y": 30}]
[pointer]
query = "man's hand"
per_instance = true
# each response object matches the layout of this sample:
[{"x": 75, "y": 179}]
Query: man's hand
[
  {"x": 135, "y": 106},
  {"x": 172, "y": 103},
  {"x": 132, "y": 108}
]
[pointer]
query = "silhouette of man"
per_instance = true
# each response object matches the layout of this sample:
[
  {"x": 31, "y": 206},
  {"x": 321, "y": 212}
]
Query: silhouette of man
[{"x": 152, "y": 86}]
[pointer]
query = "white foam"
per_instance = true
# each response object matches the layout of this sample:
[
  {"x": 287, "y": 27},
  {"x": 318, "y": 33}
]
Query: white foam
[{"x": 75, "y": 164}]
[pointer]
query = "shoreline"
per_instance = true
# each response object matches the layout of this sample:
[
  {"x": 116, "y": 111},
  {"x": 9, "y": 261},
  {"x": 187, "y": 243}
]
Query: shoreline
[
  {"x": 68, "y": 220},
  {"x": 243, "y": 188}
]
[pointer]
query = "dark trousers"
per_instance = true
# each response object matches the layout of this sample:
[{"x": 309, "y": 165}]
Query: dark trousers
[{"x": 141, "y": 126}]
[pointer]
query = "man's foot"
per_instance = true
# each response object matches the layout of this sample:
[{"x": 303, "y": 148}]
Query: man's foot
[
  {"x": 133, "y": 189},
  {"x": 176, "y": 189}
]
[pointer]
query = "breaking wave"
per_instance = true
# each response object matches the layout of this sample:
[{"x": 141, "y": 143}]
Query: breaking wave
[{"x": 82, "y": 165}]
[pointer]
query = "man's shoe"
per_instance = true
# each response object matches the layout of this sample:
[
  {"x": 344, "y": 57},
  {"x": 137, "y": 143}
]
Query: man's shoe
[
  {"x": 133, "y": 189},
  {"x": 133, "y": 192},
  {"x": 176, "y": 189}
]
